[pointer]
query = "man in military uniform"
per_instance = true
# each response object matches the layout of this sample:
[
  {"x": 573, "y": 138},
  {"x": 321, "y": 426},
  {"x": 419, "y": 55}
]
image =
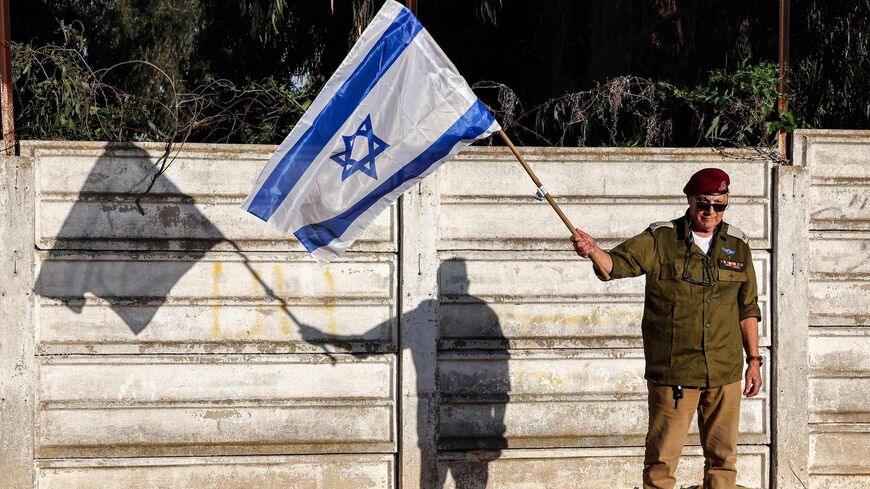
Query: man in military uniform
[{"x": 700, "y": 307}]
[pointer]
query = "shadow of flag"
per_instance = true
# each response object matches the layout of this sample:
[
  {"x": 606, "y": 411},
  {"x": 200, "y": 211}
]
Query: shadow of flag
[{"x": 105, "y": 246}]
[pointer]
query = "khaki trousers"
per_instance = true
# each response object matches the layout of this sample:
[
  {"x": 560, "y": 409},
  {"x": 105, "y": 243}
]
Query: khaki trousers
[{"x": 718, "y": 411}]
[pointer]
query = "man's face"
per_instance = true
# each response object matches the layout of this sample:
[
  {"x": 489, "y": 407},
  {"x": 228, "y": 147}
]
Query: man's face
[{"x": 705, "y": 217}]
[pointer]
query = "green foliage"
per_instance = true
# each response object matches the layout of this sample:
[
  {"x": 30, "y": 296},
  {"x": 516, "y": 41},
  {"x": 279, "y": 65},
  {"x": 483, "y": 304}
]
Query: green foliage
[
  {"x": 739, "y": 108},
  {"x": 52, "y": 80},
  {"x": 161, "y": 32}
]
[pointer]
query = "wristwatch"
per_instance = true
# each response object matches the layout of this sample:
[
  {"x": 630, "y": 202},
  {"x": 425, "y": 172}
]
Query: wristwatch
[{"x": 751, "y": 358}]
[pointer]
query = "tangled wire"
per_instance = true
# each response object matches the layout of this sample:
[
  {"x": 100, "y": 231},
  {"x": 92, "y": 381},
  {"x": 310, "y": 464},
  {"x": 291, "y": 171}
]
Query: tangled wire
[{"x": 60, "y": 96}]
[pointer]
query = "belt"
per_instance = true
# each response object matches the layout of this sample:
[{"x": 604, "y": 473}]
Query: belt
[{"x": 678, "y": 392}]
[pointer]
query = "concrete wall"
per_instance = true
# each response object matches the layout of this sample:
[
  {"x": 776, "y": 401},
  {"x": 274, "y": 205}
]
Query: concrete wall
[
  {"x": 838, "y": 410},
  {"x": 459, "y": 344}
]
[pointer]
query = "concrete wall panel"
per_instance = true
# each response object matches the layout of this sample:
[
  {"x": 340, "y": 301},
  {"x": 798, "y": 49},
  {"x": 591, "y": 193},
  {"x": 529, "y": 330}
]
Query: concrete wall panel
[
  {"x": 603, "y": 468},
  {"x": 840, "y": 375},
  {"x": 839, "y": 301},
  {"x": 593, "y": 172},
  {"x": 839, "y": 449},
  {"x": 214, "y": 276},
  {"x": 96, "y": 225},
  {"x": 87, "y": 192},
  {"x": 840, "y": 264},
  {"x": 835, "y": 155},
  {"x": 840, "y": 252},
  {"x": 254, "y": 472},
  {"x": 205, "y": 405},
  {"x": 167, "y": 302},
  {"x": 838, "y": 207},
  {"x": 839, "y": 481}
]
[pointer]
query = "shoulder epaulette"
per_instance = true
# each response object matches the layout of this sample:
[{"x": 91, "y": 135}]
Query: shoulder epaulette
[
  {"x": 661, "y": 224},
  {"x": 737, "y": 233}
]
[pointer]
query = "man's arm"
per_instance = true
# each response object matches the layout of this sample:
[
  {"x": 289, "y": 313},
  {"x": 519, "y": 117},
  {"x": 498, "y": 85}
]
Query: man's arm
[
  {"x": 631, "y": 258},
  {"x": 747, "y": 301},
  {"x": 749, "y": 330},
  {"x": 586, "y": 247}
]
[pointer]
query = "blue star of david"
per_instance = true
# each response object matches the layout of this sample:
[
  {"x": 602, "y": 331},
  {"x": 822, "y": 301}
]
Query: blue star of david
[{"x": 366, "y": 164}]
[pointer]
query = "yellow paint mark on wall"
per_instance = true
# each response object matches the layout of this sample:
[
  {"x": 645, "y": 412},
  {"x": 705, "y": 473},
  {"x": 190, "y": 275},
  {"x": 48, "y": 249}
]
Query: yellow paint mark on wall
[
  {"x": 622, "y": 385},
  {"x": 550, "y": 379},
  {"x": 331, "y": 324},
  {"x": 216, "y": 332},
  {"x": 600, "y": 316},
  {"x": 257, "y": 288}
]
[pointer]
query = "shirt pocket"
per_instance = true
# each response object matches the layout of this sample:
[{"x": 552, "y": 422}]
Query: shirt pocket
[
  {"x": 671, "y": 286},
  {"x": 730, "y": 282},
  {"x": 668, "y": 284},
  {"x": 668, "y": 271},
  {"x": 732, "y": 277}
]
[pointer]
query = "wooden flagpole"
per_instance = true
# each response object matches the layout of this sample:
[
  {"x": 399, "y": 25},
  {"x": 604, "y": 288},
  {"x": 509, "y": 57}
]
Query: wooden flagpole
[{"x": 549, "y": 198}]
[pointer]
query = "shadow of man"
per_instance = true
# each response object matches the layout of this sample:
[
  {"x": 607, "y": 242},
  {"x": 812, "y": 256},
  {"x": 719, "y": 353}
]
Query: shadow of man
[
  {"x": 472, "y": 391},
  {"x": 105, "y": 216}
]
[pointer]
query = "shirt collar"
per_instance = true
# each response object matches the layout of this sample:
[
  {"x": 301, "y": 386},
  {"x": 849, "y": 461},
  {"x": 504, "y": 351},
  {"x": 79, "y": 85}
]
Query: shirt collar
[{"x": 684, "y": 229}]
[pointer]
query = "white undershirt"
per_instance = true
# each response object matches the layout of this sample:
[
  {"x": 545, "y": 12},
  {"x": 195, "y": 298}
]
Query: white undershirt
[{"x": 702, "y": 242}]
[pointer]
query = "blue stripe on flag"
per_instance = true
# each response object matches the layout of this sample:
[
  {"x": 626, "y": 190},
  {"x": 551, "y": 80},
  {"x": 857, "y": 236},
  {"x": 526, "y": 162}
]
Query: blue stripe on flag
[
  {"x": 293, "y": 164},
  {"x": 472, "y": 124}
]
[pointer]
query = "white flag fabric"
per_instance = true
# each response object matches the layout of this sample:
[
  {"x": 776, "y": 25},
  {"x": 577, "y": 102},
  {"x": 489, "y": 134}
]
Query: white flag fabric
[{"x": 394, "y": 111}]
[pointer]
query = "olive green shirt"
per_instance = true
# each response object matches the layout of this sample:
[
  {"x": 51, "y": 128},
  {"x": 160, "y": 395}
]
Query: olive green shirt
[{"x": 691, "y": 332}]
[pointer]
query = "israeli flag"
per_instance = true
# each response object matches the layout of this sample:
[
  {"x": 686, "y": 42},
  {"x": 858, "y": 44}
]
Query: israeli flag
[{"x": 394, "y": 111}]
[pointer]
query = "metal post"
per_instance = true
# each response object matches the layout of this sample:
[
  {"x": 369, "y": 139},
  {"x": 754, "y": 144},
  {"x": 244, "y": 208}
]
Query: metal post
[
  {"x": 8, "y": 121},
  {"x": 782, "y": 105}
]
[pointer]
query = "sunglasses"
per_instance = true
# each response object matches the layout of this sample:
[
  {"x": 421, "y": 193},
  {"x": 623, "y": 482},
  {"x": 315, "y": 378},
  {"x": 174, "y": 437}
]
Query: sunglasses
[{"x": 705, "y": 206}]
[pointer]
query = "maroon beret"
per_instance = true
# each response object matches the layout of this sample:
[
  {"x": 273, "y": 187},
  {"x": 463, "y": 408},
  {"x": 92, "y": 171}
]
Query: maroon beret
[{"x": 709, "y": 181}]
